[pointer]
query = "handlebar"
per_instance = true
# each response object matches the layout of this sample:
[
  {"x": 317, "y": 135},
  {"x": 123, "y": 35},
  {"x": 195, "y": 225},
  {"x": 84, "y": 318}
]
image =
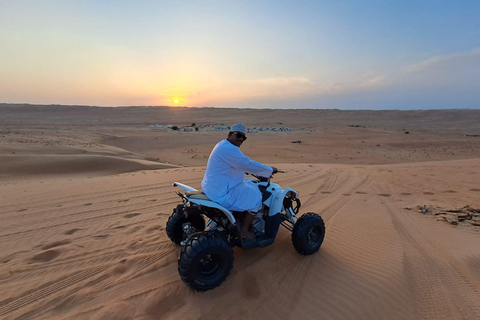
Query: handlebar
[{"x": 266, "y": 178}]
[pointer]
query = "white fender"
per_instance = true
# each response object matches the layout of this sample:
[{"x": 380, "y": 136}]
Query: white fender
[
  {"x": 207, "y": 203},
  {"x": 184, "y": 186},
  {"x": 277, "y": 201}
]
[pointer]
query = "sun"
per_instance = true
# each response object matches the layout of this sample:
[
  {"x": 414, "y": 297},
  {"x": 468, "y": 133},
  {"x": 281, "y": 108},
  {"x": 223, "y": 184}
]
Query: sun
[{"x": 176, "y": 101}]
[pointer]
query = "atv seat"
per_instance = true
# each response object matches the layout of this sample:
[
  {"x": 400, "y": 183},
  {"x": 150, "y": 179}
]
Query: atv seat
[{"x": 199, "y": 195}]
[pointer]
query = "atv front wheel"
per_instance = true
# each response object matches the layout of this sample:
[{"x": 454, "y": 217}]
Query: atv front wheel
[
  {"x": 175, "y": 223},
  {"x": 205, "y": 261},
  {"x": 308, "y": 233}
]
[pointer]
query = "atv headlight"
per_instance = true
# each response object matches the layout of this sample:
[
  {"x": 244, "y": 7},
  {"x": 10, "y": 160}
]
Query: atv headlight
[{"x": 293, "y": 195}]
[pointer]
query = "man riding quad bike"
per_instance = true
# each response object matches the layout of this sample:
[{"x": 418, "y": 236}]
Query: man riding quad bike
[
  {"x": 240, "y": 212},
  {"x": 208, "y": 232}
]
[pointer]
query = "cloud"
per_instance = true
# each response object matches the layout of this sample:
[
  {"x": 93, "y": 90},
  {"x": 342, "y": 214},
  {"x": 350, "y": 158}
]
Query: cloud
[
  {"x": 442, "y": 61},
  {"x": 282, "y": 81},
  {"x": 442, "y": 81},
  {"x": 304, "y": 86},
  {"x": 457, "y": 73},
  {"x": 279, "y": 86},
  {"x": 373, "y": 82}
]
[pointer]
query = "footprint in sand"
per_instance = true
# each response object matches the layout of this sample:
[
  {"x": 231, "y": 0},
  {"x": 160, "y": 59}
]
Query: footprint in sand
[
  {"x": 449, "y": 191},
  {"x": 325, "y": 192},
  {"x": 45, "y": 256},
  {"x": 475, "y": 190},
  {"x": 131, "y": 215},
  {"x": 405, "y": 194},
  {"x": 250, "y": 288},
  {"x": 71, "y": 231},
  {"x": 122, "y": 266},
  {"x": 135, "y": 229},
  {"x": 56, "y": 244},
  {"x": 101, "y": 236},
  {"x": 385, "y": 195},
  {"x": 6, "y": 260},
  {"x": 126, "y": 200},
  {"x": 360, "y": 192},
  {"x": 161, "y": 303},
  {"x": 429, "y": 193},
  {"x": 154, "y": 229},
  {"x": 21, "y": 210},
  {"x": 88, "y": 204}
]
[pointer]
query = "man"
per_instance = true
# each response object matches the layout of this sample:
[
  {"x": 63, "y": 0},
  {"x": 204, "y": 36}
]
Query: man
[{"x": 224, "y": 183}]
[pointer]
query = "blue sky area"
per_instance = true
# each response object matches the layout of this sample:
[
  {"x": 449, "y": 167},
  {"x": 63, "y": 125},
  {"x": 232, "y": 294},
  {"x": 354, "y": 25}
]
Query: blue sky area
[{"x": 257, "y": 54}]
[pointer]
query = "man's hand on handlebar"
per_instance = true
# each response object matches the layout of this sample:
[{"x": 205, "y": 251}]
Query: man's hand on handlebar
[{"x": 275, "y": 170}]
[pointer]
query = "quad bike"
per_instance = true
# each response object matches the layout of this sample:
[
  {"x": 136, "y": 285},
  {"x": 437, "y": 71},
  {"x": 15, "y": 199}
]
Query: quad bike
[{"x": 207, "y": 258}]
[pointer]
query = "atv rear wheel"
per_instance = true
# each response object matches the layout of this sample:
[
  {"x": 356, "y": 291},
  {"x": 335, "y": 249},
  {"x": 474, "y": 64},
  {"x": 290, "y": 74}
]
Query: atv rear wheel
[
  {"x": 205, "y": 261},
  {"x": 308, "y": 233},
  {"x": 175, "y": 223}
]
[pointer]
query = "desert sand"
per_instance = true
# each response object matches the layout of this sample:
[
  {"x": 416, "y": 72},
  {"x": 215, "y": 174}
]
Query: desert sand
[{"x": 86, "y": 192}]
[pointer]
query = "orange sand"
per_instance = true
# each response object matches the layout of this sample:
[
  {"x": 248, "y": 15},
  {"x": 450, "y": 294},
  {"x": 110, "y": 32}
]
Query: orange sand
[{"x": 86, "y": 192}]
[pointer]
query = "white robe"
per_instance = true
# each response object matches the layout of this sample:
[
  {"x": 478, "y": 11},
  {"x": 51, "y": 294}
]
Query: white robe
[{"x": 224, "y": 183}]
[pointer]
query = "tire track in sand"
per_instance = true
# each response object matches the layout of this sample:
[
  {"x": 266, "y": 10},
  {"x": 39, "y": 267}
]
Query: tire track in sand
[
  {"x": 100, "y": 275},
  {"x": 44, "y": 291},
  {"x": 99, "y": 262},
  {"x": 92, "y": 196},
  {"x": 436, "y": 275},
  {"x": 330, "y": 179},
  {"x": 289, "y": 266},
  {"x": 360, "y": 263},
  {"x": 332, "y": 203},
  {"x": 107, "y": 200},
  {"x": 100, "y": 256}
]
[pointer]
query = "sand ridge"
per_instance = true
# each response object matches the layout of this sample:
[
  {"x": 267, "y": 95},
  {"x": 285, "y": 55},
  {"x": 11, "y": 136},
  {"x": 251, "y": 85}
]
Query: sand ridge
[{"x": 82, "y": 243}]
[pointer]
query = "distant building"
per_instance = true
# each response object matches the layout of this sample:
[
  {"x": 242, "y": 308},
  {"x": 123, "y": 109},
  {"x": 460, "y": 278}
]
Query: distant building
[{"x": 221, "y": 128}]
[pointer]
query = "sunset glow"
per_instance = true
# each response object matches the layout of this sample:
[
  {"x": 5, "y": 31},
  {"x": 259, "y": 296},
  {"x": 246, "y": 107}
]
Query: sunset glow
[{"x": 353, "y": 55}]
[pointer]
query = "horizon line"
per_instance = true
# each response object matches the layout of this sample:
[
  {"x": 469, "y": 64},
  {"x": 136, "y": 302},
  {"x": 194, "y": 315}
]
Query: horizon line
[{"x": 224, "y": 107}]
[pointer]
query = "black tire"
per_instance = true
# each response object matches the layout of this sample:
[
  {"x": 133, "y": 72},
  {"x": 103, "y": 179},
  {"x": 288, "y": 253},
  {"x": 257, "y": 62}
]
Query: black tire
[
  {"x": 308, "y": 233},
  {"x": 175, "y": 223},
  {"x": 205, "y": 261}
]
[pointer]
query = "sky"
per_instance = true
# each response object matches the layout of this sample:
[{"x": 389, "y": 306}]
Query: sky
[{"x": 343, "y": 54}]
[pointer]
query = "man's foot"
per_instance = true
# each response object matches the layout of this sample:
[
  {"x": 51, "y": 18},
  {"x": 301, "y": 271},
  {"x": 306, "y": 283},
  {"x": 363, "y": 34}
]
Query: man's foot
[
  {"x": 247, "y": 222},
  {"x": 247, "y": 235}
]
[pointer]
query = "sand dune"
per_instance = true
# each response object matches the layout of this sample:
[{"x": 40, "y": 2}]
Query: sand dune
[
  {"x": 82, "y": 237},
  {"x": 45, "y": 165},
  {"x": 97, "y": 249}
]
